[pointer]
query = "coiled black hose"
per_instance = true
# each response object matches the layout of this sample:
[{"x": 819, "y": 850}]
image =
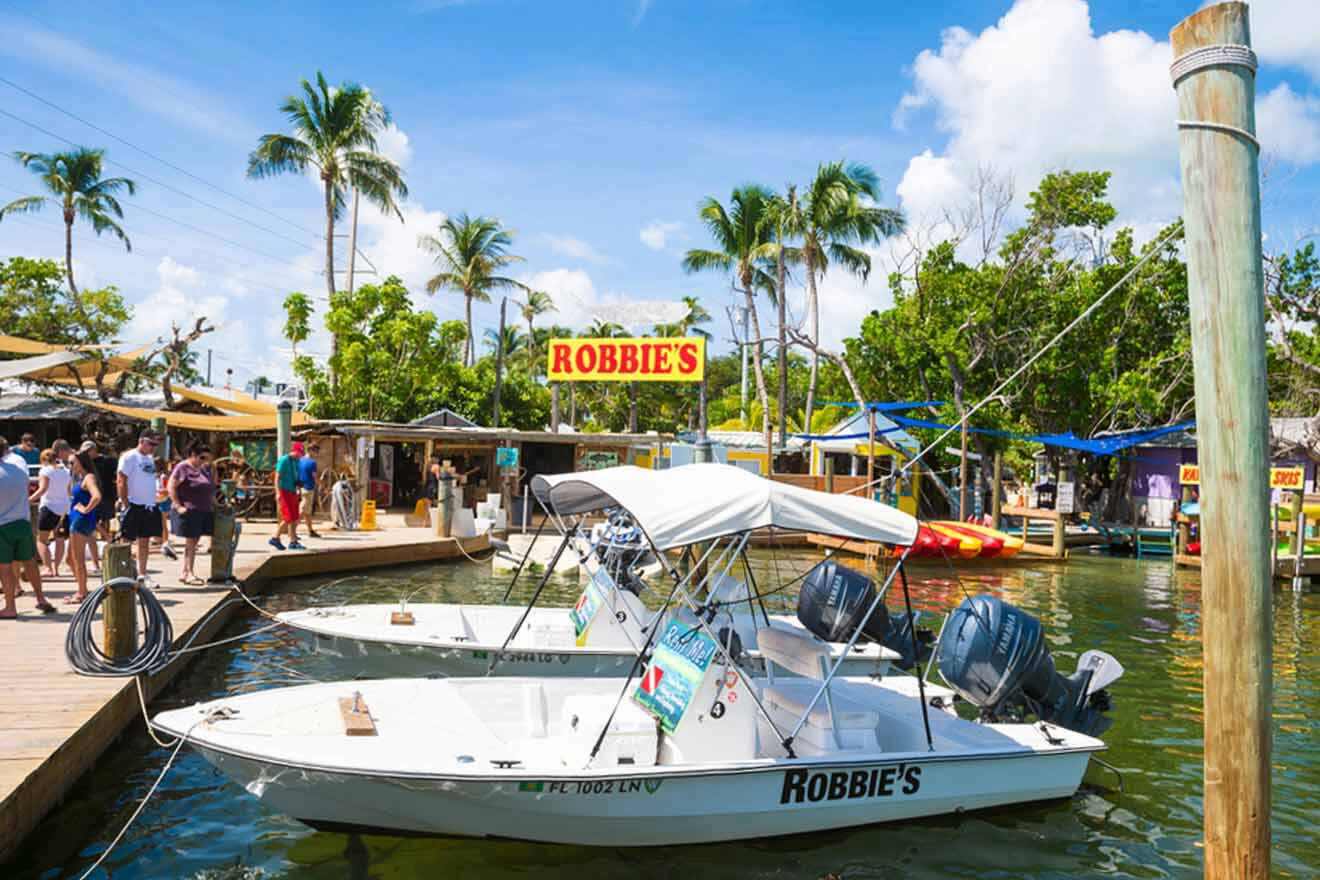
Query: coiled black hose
[{"x": 86, "y": 656}]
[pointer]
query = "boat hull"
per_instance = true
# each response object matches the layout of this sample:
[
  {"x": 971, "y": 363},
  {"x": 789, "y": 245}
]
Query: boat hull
[
  {"x": 382, "y": 659},
  {"x": 659, "y": 807}
]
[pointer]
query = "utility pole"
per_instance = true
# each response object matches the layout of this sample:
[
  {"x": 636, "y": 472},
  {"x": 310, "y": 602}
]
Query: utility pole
[
  {"x": 701, "y": 451},
  {"x": 208, "y": 368},
  {"x": 1214, "y": 78},
  {"x": 783, "y": 336},
  {"x": 962, "y": 474},
  {"x": 499, "y": 362},
  {"x": 352, "y": 241}
]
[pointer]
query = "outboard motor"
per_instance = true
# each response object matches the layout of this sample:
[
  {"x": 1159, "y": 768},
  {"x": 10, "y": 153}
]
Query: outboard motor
[
  {"x": 994, "y": 655},
  {"x": 622, "y": 550},
  {"x": 833, "y": 601}
]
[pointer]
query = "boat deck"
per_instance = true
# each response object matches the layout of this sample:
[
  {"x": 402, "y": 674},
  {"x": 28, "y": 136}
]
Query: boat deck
[{"x": 54, "y": 723}]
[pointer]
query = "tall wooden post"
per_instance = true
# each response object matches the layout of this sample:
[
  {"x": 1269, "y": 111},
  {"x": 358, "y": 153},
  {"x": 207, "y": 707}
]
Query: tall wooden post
[
  {"x": 1184, "y": 524},
  {"x": 1214, "y": 77},
  {"x": 1295, "y": 500},
  {"x": 995, "y": 489},
  {"x": 829, "y": 475},
  {"x": 119, "y": 613}
]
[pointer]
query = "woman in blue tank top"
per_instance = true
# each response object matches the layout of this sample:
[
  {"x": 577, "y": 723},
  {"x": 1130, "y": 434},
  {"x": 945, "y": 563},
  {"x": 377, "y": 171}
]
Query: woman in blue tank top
[{"x": 82, "y": 519}]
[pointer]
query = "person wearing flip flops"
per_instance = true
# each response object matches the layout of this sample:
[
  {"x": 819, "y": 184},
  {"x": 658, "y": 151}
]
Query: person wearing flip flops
[
  {"x": 136, "y": 488},
  {"x": 192, "y": 492},
  {"x": 286, "y": 492},
  {"x": 17, "y": 544}
]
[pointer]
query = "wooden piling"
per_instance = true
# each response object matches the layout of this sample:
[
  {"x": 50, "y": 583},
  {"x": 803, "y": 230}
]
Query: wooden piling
[
  {"x": 1298, "y": 541},
  {"x": 119, "y": 612},
  {"x": 870, "y": 452},
  {"x": 996, "y": 489},
  {"x": 829, "y": 475},
  {"x": 1184, "y": 524},
  {"x": 962, "y": 474},
  {"x": 1221, "y": 209}
]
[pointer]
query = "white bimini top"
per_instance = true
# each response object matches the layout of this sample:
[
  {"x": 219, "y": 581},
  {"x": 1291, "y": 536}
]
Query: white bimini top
[{"x": 700, "y": 502}]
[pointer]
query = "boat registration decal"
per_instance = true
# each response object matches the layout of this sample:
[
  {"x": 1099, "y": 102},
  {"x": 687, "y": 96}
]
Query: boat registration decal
[
  {"x": 523, "y": 657},
  {"x": 804, "y": 786},
  {"x": 584, "y": 612},
  {"x": 593, "y": 786},
  {"x": 675, "y": 672}
]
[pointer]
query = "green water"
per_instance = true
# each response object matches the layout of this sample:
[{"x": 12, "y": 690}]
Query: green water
[{"x": 199, "y": 825}]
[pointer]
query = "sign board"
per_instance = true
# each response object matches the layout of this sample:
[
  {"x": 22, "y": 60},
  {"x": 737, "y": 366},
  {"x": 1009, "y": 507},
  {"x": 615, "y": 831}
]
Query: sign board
[
  {"x": 680, "y": 359},
  {"x": 1065, "y": 498},
  {"x": 584, "y": 612},
  {"x": 506, "y": 457},
  {"x": 596, "y": 460},
  {"x": 676, "y": 670},
  {"x": 1291, "y": 478}
]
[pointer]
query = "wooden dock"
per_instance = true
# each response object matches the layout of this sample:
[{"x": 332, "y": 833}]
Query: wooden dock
[{"x": 54, "y": 723}]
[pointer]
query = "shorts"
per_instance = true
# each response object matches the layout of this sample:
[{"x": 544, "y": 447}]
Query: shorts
[
  {"x": 50, "y": 521},
  {"x": 308, "y": 500},
  {"x": 105, "y": 511},
  {"x": 164, "y": 506},
  {"x": 140, "y": 521},
  {"x": 82, "y": 523},
  {"x": 16, "y": 542},
  {"x": 289, "y": 502},
  {"x": 195, "y": 523}
]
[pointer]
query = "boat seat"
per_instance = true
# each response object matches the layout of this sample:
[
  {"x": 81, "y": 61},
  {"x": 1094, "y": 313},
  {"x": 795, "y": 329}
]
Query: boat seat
[
  {"x": 794, "y": 650},
  {"x": 793, "y": 696}
]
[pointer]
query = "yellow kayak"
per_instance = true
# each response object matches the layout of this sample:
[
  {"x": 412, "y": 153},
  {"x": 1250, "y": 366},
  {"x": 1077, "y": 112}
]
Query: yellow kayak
[
  {"x": 1311, "y": 509},
  {"x": 968, "y": 545},
  {"x": 1011, "y": 543}
]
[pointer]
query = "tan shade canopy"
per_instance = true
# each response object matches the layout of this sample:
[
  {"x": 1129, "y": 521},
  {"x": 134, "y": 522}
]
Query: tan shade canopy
[{"x": 191, "y": 421}]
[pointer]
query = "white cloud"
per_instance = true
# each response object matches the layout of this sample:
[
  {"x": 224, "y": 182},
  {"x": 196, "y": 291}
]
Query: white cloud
[
  {"x": 656, "y": 234},
  {"x": 150, "y": 90},
  {"x": 394, "y": 144},
  {"x": 1039, "y": 91},
  {"x": 1284, "y": 32},
  {"x": 180, "y": 298},
  {"x": 573, "y": 292},
  {"x": 643, "y": 7},
  {"x": 1288, "y": 125},
  {"x": 567, "y": 246}
]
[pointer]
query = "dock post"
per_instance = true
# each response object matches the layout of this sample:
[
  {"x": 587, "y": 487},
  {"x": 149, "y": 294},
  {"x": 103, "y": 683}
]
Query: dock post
[
  {"x": 444, "y": 525},
  {"x": 1184, "y": 527},
  {"x": 829, "y": 475},
  {"x": 119, "y": 613},
  {"x": 995, "y": 489},
  {"x": 283, "y": 427},
  {"x": 1060, "y": 548},
  {"x": 962, "y": 474},
  {"x": 222, "y": 545},
  {"x": 1298, "y": 541},
  {"x": 1214, "y": 78},
  {"x": 870, "y": 452}
]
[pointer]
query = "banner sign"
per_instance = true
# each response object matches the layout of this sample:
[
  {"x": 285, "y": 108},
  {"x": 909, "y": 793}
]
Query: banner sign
[
  {"x": 676, "y": 670},
  {"x": 506, "y": 457},
  {"x": 584, "y": 612},
  {"x": 1293, "y": 478},
  {"x": 681, "y": 359}
]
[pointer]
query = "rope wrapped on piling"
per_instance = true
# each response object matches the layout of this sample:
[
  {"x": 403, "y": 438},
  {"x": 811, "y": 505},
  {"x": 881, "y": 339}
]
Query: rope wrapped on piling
[{"x": 86, "y": 656}]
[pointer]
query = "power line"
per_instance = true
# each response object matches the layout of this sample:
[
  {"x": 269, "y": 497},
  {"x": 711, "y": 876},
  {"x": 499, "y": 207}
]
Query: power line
[{"x": 139, "y": 207}]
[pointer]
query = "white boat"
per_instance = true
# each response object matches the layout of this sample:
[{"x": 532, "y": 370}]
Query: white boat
[
  {"x": 695, "y": 748},
  {"x": 600, "y": 635}
]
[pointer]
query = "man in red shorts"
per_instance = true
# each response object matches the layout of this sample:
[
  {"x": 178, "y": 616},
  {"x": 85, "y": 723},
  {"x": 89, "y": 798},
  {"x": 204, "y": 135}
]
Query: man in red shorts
[{"x": 286, "y": 494}]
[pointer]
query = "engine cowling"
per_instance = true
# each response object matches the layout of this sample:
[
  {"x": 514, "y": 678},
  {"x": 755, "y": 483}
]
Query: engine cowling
[
  {"x": 994, "y": 655},
  {"x": 833, "y": 600}
]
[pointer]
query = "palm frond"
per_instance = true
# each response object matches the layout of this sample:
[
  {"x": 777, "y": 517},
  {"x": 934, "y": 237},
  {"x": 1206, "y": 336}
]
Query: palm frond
[
  {"x": 279, "y": 154},
  {"x": 25, "y": 205}
]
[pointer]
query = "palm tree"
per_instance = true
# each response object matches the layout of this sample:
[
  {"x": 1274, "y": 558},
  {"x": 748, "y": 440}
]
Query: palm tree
[
  {"x": 538, "y": 303},
  {"x": 470, "y": 251},
  {"x": 514, "y": 340},
  {"x": 836, "y": 212},
  {"x": 75, "y": 184},
  {"x": 783, "y": 209},
  {"x": 334, "y": 131},
  {"x": 741, "y": 234}
]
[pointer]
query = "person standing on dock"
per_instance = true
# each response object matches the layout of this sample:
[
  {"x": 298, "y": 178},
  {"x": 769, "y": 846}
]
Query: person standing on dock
[
  {"x": 17, "y": 544},
  {"x": 192, "y": 490},
  {"x": 307, "y": 486},
  {"x": 136, "y": 485},
  {"x": 286, "y": 496}
]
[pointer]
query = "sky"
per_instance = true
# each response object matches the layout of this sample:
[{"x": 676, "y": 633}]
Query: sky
[{"x": 594, "y": 129}]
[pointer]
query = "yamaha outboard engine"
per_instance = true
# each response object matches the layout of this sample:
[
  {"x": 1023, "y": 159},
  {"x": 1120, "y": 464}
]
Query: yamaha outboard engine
[
  {"x": 621, "y": 550},
  {"x": 994, "y": 655},
  {"x": 833, "y": 601}
]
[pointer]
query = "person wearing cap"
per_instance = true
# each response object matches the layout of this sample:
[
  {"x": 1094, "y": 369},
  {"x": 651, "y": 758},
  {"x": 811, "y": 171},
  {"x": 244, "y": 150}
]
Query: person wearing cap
[
  {"x": 136, "y": 485},
  {"x": 307, "y": 486},
  {"x": 286, "y": 494}
]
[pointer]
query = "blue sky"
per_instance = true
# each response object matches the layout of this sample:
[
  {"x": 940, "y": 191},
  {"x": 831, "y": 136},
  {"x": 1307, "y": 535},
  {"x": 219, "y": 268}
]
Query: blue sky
[{"x": 594, "y": 128}]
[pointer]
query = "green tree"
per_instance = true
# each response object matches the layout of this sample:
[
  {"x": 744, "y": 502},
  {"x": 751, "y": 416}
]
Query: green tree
[
  {"x": 297, "y": 319},
  {"x": 73, "y": 180},
  {"x": 538, "y": 302},
  {"x": 470, "y": 252},
  {"x": 334, "y": 131},
  {"x": 836, "y": 213},
  {"x": 741, "y": 235}
]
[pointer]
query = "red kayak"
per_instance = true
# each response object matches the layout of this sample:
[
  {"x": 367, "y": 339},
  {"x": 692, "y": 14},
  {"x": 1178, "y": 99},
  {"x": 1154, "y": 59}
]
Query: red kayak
[
  {"x": 931, "y": 543},
  {"x": 990, "y": 545}
]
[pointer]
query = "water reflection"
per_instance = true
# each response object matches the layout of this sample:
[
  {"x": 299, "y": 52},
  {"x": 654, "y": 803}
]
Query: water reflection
[{"x": 1144, "y": 612}]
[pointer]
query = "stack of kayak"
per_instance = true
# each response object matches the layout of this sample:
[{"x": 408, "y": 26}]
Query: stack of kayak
[{"x": 964, "y": 540}]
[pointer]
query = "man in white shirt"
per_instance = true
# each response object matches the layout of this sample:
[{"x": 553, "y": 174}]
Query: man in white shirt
[{"x": 136, "y": 482}]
